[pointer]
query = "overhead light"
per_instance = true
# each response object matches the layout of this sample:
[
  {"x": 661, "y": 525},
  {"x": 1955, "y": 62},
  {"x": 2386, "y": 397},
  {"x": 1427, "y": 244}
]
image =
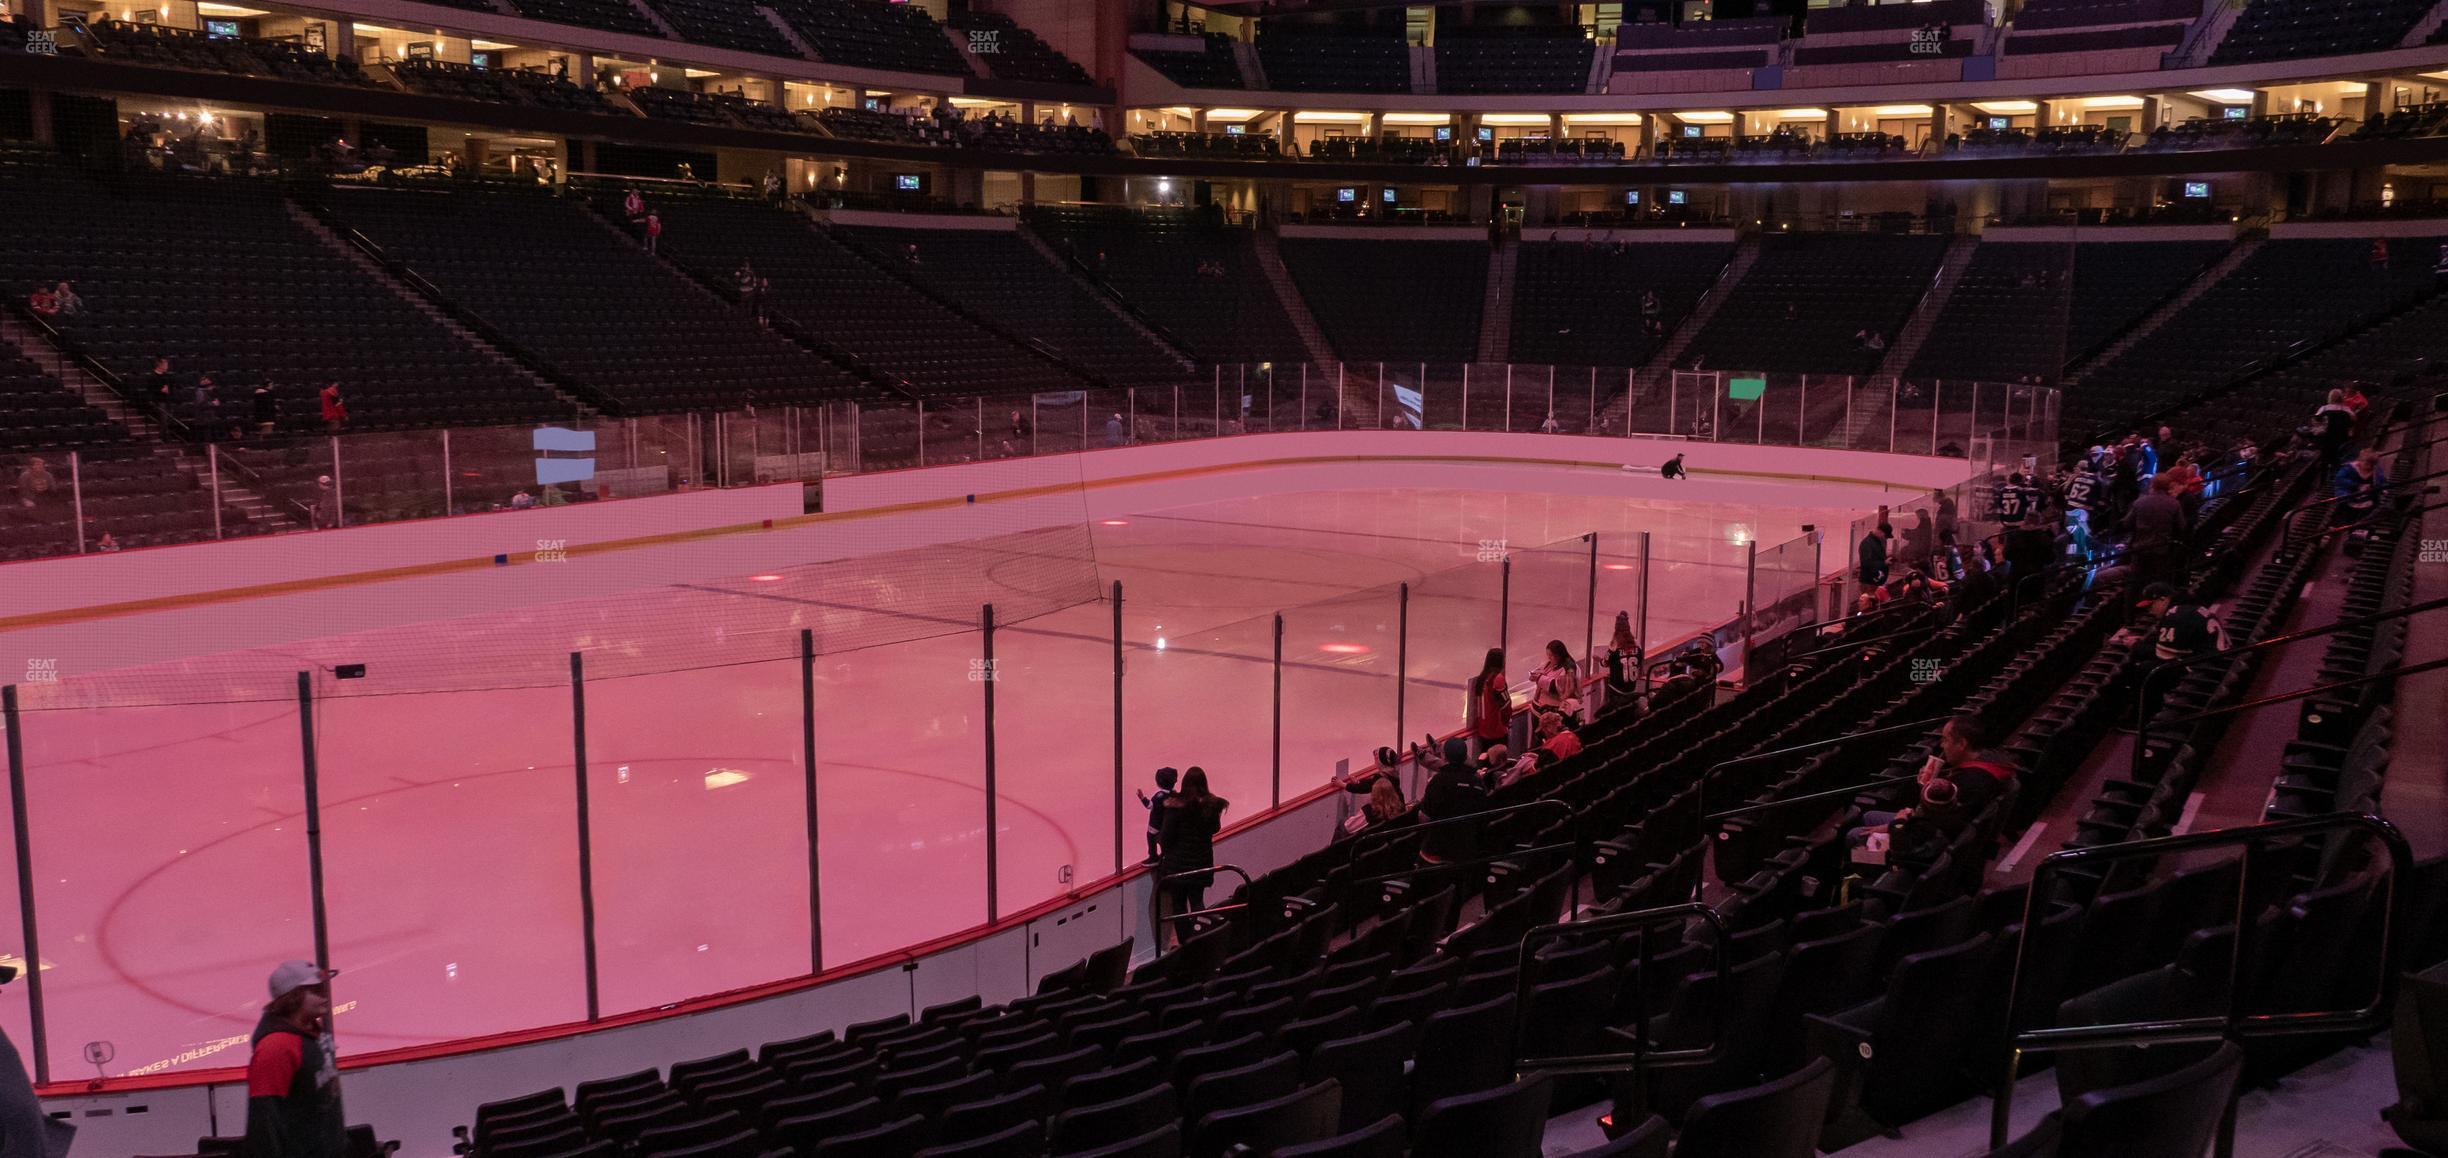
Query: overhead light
[
  {"x": 695, "y": 73},
  {"x": 1413, "y": 118},
  {"x": 490, "y": 46},
  {"x": 1800, "y": 114},
  {"x": 1216, "y": 114},
  {"x": 1902, "y": 111},
  {"x": 1539, "y": 119},
  {"x": 2112, "y": 102},
  {"x": 1707, "y": 118},
  {"x": 1314, "y": 117},
  {"x": 2225, "y": 96},
  {"x": 211, "y": 9},
  {"x": 2007, "y": 108},
  {"x": 961, "y": 102},
  {"x": 1602, "y": 118}
]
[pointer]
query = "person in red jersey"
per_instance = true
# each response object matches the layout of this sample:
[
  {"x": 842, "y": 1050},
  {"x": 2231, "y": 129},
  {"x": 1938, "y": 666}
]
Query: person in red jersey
[{"x": 293, "y": 1080}]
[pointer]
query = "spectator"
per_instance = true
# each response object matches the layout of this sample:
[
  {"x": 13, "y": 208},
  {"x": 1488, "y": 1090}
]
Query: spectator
[
  {"x": 654, "y": 230},
  {"x": 521, "y": 501},
  {"x": 1923, "y": 831},
  {"x": 2179, "y": 629},
  {"x": 2332, "y": 428},
  {"x": 1383, "y": 806},
  {"x": 1623, "y": 665},
  {"x": 2082, "y": 489},
  {"x": 1488, "y": 716},
  {"x": 44, "y": 302},
  {"x": 1871, "y": 568},
  {"x": 1672, "y": 468},
  {"x": 2013, "y": 499},
  {"x": 633, "y": 205},
  {"x": 1454, "y": 792},
  {"x": 1944, "y": 502},
  {"x": 1919, "y": 540},
  {"x": 35, "y": 484},
  {"x": 1977, "y": 586},
  {"x": 1113, "y": 429},
  {"x": 326, "y": 512},
  {"x": 2358, "y": 487},
  {"x": 157, "y": 387},
  {"x": 1557, "y": 681},
  {"x": 335, "y": 408},
  {"x": 293, "y": 1085},
  {"x": 1165, "y": 780},
  {"x": 1186, "y": 836},
  {"x": 2155, "y": 526},
  {"x": 2351, "y": 394},
  {"x": 1978, "y": 776},
  {"x": 266, "y": 406},
  {"x": 107, "y": 544},
  {"x": 1556, "y": 737}
]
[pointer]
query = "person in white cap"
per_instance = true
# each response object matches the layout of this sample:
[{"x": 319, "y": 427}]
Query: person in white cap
[{"x": 293, "y": 1080}]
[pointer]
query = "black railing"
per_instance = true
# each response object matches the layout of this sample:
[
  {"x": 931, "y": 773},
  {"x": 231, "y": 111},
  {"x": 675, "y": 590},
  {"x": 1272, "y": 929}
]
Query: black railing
[
  {"x": 1370, "y": 838},
  {"x": 2158, "y": 674},
  {"x": 2371, "y": 1017},
  {"x": 1641, "y": 1058}
]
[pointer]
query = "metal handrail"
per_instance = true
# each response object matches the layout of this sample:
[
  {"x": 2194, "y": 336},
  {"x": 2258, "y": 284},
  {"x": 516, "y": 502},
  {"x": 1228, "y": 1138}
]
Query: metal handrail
[
  {"x": 1866, "y": 787},
  {"x": 1382, "y": 835},
  {"x": 1700, "y": 786},
  {"x": 1159, "y": 880},
  {"x": 2153, "y": 677},
  {"x": 2307, "y": 693},
  {"x": 2286, "y": 540},
  {"x": 2343, "y": 528},
  {"x": 2372, "y": 1017},
  {"x": 1641, "y": 1058},
  {"x": 1476, "y": 862},
  {"x": 1924, "y": 629}
]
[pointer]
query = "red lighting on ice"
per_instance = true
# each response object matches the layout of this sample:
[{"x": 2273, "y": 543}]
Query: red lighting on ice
[
  {"x": 1116, "y": 522},
  {"x": 1619, "y": 566},
  {"x": 764, "y": 578},
  {"x": 1343, "y": 648}
]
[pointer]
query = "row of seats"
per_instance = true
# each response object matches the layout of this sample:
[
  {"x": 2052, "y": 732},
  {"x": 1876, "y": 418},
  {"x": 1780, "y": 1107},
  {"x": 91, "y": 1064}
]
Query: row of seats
[
  {"x": 163, "y": 45},
  {"x": 2285, "y": 294},
  {"x": 1213, "y": 66},
  {"x": 1606, "y": 304},
  {"x": 2247, "y": 133},
  {"x": 1198, "y": 281},
  {"x": 222, "y": 277},
  {"x": 599, "y": 310},
  {"x": 999, "y": 274},
  {"x": 1012, "y": 52},
  {"x": 2020, "y": 312},
  {"x": 502, "y": 86},
  {"x": 1802, "y": 304},
  {"x": 1297, "y": 61},
  {"x": 843, "y": 300},
  {"x": 1365, "y": 295},
  {"x": 1501, "y": 64},
  {"x": 2295, "y": 29}
]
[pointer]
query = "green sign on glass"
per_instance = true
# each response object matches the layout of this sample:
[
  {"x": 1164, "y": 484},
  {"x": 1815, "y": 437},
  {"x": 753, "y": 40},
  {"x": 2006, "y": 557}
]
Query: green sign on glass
[{"x": 1746, "y": 389}]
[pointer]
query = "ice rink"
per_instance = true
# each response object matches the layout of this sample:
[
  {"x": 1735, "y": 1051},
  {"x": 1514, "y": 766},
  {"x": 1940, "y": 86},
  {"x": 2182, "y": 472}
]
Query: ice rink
[{"x": 170, "y": 828}]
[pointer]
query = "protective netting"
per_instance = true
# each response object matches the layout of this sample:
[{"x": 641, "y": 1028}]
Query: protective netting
[{"x": 902, "y": 570}]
